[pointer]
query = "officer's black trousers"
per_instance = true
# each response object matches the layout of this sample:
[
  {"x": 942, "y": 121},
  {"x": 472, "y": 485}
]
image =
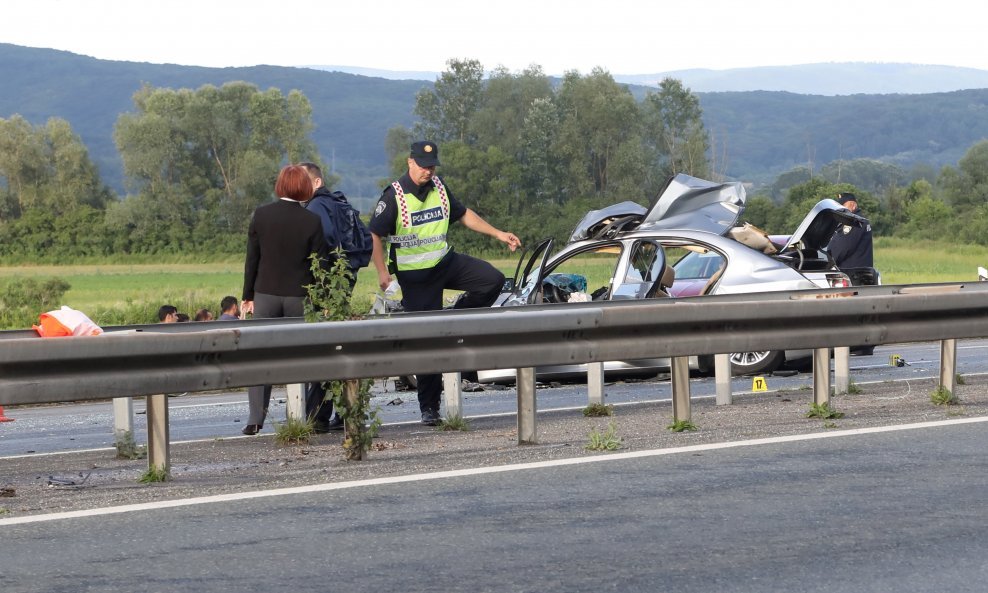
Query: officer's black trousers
[{"x": 481, "y": 281}]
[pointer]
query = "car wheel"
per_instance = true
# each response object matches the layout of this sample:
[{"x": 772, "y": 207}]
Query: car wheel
[{"x": 750, "y": 363}]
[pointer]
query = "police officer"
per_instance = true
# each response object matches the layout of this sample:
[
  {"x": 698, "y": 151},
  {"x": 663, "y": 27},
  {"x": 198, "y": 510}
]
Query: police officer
[
  {"x": 851, "y": 245},
  {"x": 851, "y": 248},
  {"x": 413, "y": 215}
]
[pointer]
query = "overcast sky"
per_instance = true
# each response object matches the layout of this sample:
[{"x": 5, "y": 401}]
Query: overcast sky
[{"x": 622, "y": 36}]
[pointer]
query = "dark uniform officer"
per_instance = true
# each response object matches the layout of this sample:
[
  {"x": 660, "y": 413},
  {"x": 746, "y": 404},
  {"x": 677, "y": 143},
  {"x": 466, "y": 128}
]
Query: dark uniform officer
[
  {"x": 851, "y": 245},
  {"x": 851, "y": 248},
  {"x": 413, "y": 215}
]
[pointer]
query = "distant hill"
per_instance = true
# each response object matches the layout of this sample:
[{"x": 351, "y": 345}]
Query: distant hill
[
  {"x": 829, "y": 79},
  {"x": 351, "y": 113},
  {"x": 755, "y": 134},
  {"x": 826, "y": 79}
]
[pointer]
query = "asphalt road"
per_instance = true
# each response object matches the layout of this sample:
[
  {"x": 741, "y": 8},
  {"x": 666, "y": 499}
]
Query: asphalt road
[
  {"x": 898, "y": 511},
  {"x": 206, "y": 416}
]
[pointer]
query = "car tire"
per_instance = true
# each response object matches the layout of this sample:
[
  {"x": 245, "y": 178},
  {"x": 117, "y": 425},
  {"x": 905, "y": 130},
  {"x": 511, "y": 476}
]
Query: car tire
[{"x": 752, "y": 363}]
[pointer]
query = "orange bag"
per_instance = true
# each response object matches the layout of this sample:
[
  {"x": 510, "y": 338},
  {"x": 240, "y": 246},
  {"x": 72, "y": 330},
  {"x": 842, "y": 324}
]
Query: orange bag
[{"x": 66, "y": 322}]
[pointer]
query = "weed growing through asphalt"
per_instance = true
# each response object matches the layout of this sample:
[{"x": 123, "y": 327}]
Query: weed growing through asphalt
[
  {"x": 329, "y": 300},
  {"x": 4, "y": 511},
  {"x": 830, "y": 425},
  {"x": 596, "y": 410},
  {"x": 154, "y": 474},
  {"x": 454, "y": 423},
  {"x": 293, "y": 431},
  {"x": 853, "y": 388},
  {"x": 606, "y": 441},
  {"x": 959, "y": 379},
  {"x": 127, "y": 448},
  {"x": 682, "y": 426},
  {"x": 942, "y": 396},
  {"x": 823, "y": 411}
]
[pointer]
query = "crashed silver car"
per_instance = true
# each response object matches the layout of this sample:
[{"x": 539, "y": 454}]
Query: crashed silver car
[{"x": 690, "y": 242}]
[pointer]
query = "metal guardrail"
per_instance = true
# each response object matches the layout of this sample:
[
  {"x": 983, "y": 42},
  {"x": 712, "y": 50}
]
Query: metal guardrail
[
  {"x": 118, "y": 364},
  {"x": 145, "y": 360}
]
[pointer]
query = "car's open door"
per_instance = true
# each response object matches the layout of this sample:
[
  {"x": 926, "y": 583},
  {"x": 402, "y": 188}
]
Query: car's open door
[{"x": 525, "y": 287}]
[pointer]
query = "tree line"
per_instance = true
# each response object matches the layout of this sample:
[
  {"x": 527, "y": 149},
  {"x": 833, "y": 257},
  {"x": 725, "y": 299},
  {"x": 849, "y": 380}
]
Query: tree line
[{"x": 526, "y": 153}]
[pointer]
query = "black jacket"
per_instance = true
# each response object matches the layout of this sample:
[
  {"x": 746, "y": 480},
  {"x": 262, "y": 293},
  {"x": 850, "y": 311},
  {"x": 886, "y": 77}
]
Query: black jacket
[
  {"x": 851, "y": 246},
  {"x": 280, "y": 239}
]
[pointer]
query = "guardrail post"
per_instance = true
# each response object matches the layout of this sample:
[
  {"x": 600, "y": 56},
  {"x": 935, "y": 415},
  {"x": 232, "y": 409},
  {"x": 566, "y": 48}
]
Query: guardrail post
[
  {"x": 595, "y": 383},
  {"x": 722, "y": 376},
  {"x": 680, "y": 389},
  {"x": 123, "y": 416},
  {"x": 948, "y": 365},
  {"x": 295, "y": 402},
  {"x": 526, "y": 406},
  {"x": 453, "y": 394},
  {"x": 842, "y": 369},
  {"x": 157, "y": 413},
  {"x": 821, "y": 376}
]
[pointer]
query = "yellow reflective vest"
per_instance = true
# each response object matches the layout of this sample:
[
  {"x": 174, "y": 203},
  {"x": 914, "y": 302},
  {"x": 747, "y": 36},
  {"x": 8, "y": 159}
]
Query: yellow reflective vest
[{"x": 420, "y": 231}]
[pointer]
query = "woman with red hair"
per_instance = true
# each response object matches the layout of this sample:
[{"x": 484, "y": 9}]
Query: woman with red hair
[{"x": 281, "y": 237}]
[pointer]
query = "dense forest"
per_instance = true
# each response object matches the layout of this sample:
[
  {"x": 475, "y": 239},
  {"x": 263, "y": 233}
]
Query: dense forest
[{"x": 529, "y": 152}]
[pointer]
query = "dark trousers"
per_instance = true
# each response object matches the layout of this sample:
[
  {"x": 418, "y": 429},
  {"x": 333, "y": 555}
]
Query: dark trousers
[
  {"x": 481, "y": 282},
  {"x": 268, "y": 305}
]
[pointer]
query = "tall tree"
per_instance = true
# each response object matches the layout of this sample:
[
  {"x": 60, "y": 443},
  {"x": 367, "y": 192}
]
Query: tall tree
[
  {"x": 674, "y": 131},
  {"x": 505, "y": 104},
  {"x": 447, "y": 108},
  {"x": 201, "y": 161},
  {"x": 598, "y": 116},
  {"x": 46, "y": 168}
]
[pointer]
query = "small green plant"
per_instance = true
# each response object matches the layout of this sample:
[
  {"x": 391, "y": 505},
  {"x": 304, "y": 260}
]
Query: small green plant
[
  {"x": 4, "y": 511},
  {"x": 682, "y": 426},
  {"x": 942, "y": 396},
  {"x": 597, "y": 410},
  {"x": 959, "y": 379},
  {"x": 329, "y": 300},
  {"x": 127, "y": 448},
  {"x": 853, "y": 388},
  {"x": 293, "y": 431},
  {"x": 823, "y": 411},
  {"x": 830, "y": 425},
  {"x": 606, "y": 441},
  {"x": 454, "y": 423},
  {"x": 154, "y": 474}
]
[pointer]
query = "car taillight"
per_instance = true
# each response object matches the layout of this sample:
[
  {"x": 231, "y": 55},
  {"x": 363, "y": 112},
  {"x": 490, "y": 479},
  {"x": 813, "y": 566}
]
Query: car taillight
[{"x": 839, "y": 281}]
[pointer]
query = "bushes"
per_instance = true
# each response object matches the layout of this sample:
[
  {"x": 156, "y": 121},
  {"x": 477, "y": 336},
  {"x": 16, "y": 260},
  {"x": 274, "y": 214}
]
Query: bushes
[{"x": 21, "y": 301}]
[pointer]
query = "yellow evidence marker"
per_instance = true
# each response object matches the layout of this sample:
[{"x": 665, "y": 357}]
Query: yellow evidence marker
[{"x": 759, "y": 384}]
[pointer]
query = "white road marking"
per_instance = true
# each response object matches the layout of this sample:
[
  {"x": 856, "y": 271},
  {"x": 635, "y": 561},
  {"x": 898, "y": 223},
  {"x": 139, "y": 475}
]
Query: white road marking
[{"x": 166, "y": 504}]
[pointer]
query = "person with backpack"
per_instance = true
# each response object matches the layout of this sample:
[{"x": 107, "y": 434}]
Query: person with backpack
[
  {"x": 341, "y": 224},
  {"x": 342, "y": 228}
]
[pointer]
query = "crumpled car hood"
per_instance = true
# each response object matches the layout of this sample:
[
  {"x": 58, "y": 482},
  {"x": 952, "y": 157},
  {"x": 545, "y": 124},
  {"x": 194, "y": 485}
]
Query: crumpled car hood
[{"x": 685, "y": 203}]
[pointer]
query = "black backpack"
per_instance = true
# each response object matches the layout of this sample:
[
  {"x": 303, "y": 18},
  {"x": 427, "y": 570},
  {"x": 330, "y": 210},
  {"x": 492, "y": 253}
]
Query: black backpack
[{"x": 348, "y": 231}]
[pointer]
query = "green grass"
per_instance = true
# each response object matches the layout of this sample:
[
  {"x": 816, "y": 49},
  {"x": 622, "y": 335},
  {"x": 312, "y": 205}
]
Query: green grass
[
  {"x": 823, "y": 411},
  {"x": 682, "y": 426},
  {"x": 943, "y": 397},
  {"x": 154, "y": 474},
  {"x": 604, "y": 441},
  {"x": 593, "y": 410},
  {"x": 141, "y": 287},
  {"x": 912, "y": 262}
]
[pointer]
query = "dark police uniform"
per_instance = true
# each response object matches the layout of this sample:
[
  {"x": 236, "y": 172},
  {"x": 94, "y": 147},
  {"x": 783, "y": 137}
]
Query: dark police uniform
[
  {"x": 424, "y": 276},
  {"x": 853, "y": 252}
]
